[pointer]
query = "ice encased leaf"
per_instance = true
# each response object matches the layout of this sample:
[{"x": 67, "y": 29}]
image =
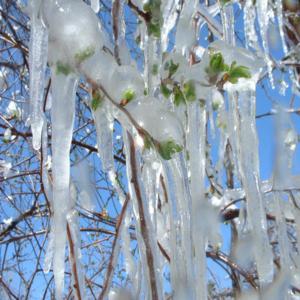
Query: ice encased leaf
[{"x": 161, "y": 123}]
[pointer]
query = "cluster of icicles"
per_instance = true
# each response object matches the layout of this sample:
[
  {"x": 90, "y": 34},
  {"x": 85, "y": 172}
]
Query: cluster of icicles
[{"x": 169, "y": 203}]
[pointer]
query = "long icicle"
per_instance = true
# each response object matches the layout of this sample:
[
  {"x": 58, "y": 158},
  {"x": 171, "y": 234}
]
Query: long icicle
[
  {"x": 148, "y": 248},
  {"x": 228, "y": 22},
  {"x": 38, "y": 47},
  {"x": 104, "y": 122},
  {"x": 249, "y": 25},
  {"x": 180, "y": 224},
  {"x": 279, "y": 12},
  {"x": 263, "y": 21},
  {"x": 74, "y": 241},
  {"x": 249, "y": 173},
  {"x": 196, "y": 143},
  {"x": 62, "y": 117}
]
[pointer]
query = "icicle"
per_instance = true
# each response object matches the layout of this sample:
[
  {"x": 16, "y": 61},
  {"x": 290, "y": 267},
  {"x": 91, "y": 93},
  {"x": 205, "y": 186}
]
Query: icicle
[
  {"x": 185, "y": 35},
  {"x": 62, "y": 117},
  {"x": 295, "y": 198},
  {"x": 95, "y": 5},
  {"x": 153, "y": 59},
  {"x": 83, "y": 180},
  {"x": 120, "y": 293},
  {"x": 170, "y": 16},
  {"x": 279, "y": 12},
  {"x": 124, "y": 54},
  {"x": 74, "y": 246},
  {"x": 222, "y": 123},
  {"x": 177, "y": 268},
  {"x": 104, "y": 128},
  {"x": 196, "y": 144},
  {"x": 49, "y": 251},
  {"x": 228, "y": 22},
  {"x": 249, "y": 174},
  {"x": 182, "y": 266},
  {"x": 286, "y": 142},
  {"x": 208, "y": 15},
  {"x": 283, "y": 241},
  {"x": 210, "y": 112},
  {"x": 74, "y": 37},
  {"x": 45, "y": 176},
  {"x": 130, "y": 265},
  {"x": 263, "y": 21},
  {"x": 37, "y": 66},
  {"x": 49, "y": 195},
  {"x": 103, "y": 117},
  {"x": 249, "y": 25},
  {"x": 150, "y": 176},
  {"x": 148, "y": 248},
  {"x": 242, "y": 129},
  {"x": 118, "y": 25},
  {"x": 114, "y": 259}
]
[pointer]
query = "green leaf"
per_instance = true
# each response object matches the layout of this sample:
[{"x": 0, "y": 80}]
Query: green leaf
[
  {"x": 154, "y": 70},
  {"x": 152, "y": 7},
  {"x": 178, "y": 96},
  {"x": 235, "y": 72},
  {"x": 62, "y": 68},
  {"x": 216, "y": 63},
  {"x": 138, "y": 39},
  {"x": 147, "y": 142},
  {"x": 215, "y": 105},
  {"x": 85, "y": 54},
  {"x": 167, "y": 148},
  {"x": 147, "y": 7},
  {"x": 166, "y": 65},
  {"x": 128, "y": 95},
  {"x": 173, "y": 68},
  {"x": 189, "y": 90},
  {"x": 165, "y": 91},
  {"x": 96, "y": 100},
  {"x": 154, "y": 29},
  {"x": 202, "y": 103},
  {"x": 224, "y": 2}
]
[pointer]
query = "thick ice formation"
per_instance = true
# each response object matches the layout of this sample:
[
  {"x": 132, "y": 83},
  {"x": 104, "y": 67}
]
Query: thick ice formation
[
  {"x": 129, "y": 83},
  {"x": 74, "y": 33},
  {"x": 157, "y": 120}
]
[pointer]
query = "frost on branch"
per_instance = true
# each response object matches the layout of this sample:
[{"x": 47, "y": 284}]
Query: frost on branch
[{"x": 170, "y": 107}]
